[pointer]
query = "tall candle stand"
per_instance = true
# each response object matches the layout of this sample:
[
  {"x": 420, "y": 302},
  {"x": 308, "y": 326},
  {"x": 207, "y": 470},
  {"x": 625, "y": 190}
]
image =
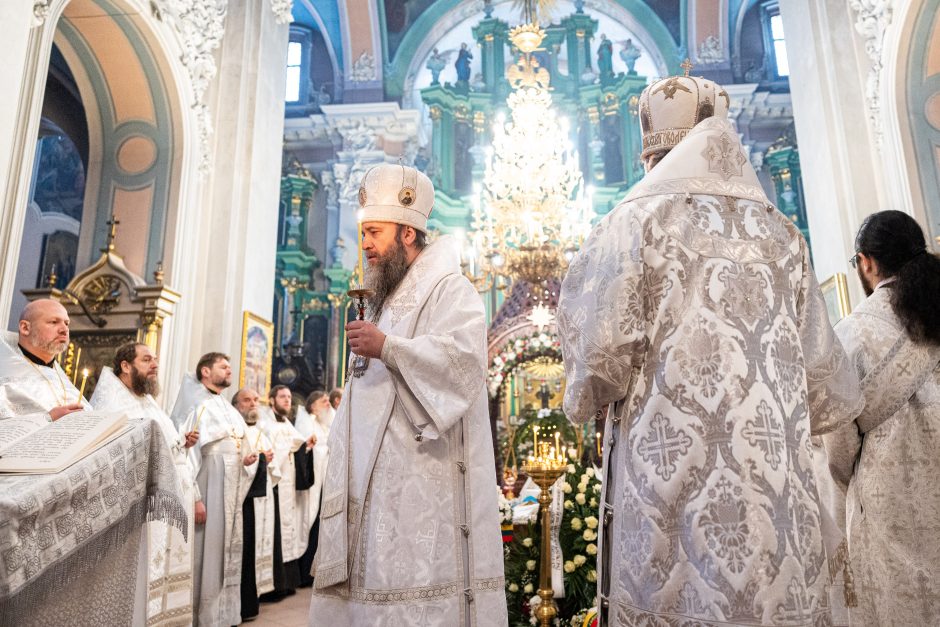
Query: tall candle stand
[{"x": 544, "y": 468}]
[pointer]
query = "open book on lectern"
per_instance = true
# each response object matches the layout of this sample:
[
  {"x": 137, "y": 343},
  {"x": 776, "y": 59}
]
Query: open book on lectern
[{"x": 32, "y": 446}]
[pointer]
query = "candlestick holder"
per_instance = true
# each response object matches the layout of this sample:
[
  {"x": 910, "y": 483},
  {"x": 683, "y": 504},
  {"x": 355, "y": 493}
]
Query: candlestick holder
[
  {"x": 544, "y": 468},
  {"x": 360, "y": 294}
]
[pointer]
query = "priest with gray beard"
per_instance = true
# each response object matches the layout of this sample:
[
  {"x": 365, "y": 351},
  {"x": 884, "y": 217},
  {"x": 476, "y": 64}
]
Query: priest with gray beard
[
  {"x": 32, "y": 384},
  {"x": 409, "y": 529}
]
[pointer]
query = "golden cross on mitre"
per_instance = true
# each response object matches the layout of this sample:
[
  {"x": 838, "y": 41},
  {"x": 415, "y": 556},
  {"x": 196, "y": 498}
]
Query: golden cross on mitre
[{"x": 687, "y": 66}]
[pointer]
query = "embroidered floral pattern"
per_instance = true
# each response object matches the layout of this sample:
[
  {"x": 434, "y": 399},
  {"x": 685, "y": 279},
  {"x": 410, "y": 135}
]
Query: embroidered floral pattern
[
  {"x": 725, "y": 524},
  {"x": 700, "y": 358}
]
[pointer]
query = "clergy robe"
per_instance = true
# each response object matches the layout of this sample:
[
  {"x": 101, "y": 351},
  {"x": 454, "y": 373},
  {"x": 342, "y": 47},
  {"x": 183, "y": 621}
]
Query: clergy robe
[
  {"x": 319, "y": 426},
  {"x": 409, "y": 527},
  {"x": 887, "y": 461},
  {"x": 223, "y": 482},
  {"x": 29, "y": 390},
  {"x": 170, "y": 571},
  {"x": 263, "y": 513},
  {"x": 693, "y": 311},
  {"x": 286, "y": 441}
]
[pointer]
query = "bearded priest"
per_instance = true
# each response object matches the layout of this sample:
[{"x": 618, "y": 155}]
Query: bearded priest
[
  {"x": 693, "y": 311},
  {"x": 225, "y": 465},
  {"x": 130, "y": 387},
  {"x": 409, "y": 530},
  {"x": 32, "y": 384}
]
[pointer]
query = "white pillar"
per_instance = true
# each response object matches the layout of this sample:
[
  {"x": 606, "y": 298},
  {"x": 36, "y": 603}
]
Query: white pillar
[{"x": 841, "y": 182}]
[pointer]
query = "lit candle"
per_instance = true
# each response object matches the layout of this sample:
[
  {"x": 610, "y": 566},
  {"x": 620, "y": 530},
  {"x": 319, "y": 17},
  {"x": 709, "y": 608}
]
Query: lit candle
[
  {"x": 81, "y": 392},
  {"x": 359, "y": 248},
  {"x": 551, "y": 453},
  {"x": 258, "y": 439},
  {"x": 535, "y": 434},
  {"x": 557, "y": 442},
  {"x": 198, "y": 417},
  {"x": 564, "y": 453},
  {"x": 597, "y": 436}
]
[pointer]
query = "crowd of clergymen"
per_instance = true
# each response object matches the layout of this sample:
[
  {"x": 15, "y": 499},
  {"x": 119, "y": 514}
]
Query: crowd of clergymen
[{"x": 252, "y": 526}]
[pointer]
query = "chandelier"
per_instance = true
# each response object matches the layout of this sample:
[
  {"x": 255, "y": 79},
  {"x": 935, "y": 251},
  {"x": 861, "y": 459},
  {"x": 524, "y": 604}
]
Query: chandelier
[{"x": 532, "y": 211}]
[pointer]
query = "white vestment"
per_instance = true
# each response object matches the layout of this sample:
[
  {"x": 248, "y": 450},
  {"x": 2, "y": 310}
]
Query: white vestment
[
  {"x": 693, "y": 311},
  {"x": 264, "y": 514},
  {"x": 319, "y": 426},
  {"x": 409, "y": 527},
  {"x": 286, "y": 440},
  {"x": 170, "y": 596},
  {"x": 223, "y": 483},
  {"x": 30, "y": 390},
  {"x": 888, "y": 463}
]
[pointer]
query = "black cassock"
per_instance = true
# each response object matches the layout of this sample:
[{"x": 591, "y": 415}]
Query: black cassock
[{"x": 249, "y": 589}]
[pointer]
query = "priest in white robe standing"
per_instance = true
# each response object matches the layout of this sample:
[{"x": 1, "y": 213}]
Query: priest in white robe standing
[
  {"x": 409, "y": 528},
  {"x": 170, "y": 575},
  {"x": 32, "y": 384},
  {"x": 887, "y": 461},
  {"x": 314, "y": 419},
  {"x": 225, "y": 467},
  {"x": 692, "y": 310}
]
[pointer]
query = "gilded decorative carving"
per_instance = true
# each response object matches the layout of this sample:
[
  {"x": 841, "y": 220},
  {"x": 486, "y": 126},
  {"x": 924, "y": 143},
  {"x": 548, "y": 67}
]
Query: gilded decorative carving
[{"x": 102, "y": 294}]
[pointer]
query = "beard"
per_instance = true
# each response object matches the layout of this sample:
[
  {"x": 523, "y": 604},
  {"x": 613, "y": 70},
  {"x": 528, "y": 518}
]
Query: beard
[
  {"x": 385, "y": 276},
  {"x": 53, "y": 347},
  {"x": 221, "y": 382},
  {"x": 866, "y": 284},
  {"x": 251, "y": 418},
  {"x": 281, "y": 414},
  {"x": 142, "y": 385}
]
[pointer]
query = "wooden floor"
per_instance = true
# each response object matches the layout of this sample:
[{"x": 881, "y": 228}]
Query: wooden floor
[{"x": 290, "y": 612}]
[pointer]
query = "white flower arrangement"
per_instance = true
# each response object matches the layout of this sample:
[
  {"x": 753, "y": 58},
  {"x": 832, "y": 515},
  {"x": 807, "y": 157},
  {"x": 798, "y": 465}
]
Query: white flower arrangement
[
  {"x": 579, "y": 498},
  {"x": 576, "y": 524},
  {"x": 513, "y": 587},
  {"x": 566, "y": 487},
  {"x": 528, "y": 588},
  {"x": 591, "y": 549},
  {"x": 530, "y": 565},
  {"x": 589, "y": 535},
  {"x": 592, "y": 576},
  {"x": 569, "y": 566},
  {"x": 579, "y": 560},
  {"x": 527, "y": 542},
  {"x": 591, "y": 522},
  {"x": 568, "y": 504}
]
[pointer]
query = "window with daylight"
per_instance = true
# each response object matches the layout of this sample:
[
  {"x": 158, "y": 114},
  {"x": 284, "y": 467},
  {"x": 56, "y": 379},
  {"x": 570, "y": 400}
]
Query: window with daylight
[
  {"x": 781, "y": 65},
  {"x": 294, "y": 66}
]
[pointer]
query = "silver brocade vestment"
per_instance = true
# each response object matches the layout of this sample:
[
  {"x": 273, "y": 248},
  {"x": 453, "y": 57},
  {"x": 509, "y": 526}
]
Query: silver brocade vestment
[{"x": 695, "y": 302}]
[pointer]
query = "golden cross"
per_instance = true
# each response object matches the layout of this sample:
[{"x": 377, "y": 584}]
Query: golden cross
[
  {"x": 112, "y": 232},
  {"x": 686, "y": 65}
]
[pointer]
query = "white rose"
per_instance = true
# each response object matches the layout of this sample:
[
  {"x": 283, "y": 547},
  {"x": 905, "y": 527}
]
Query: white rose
[
  {"x": 589, "y": 472},
  {"x": 527, "y": 542},
  {"x": 593, "y": 502},
  {"x": 576, "y": 524},
  {"x": 566, "y": 487},
  {"x": 513, "y": 587},
  {"x": 591, "y": 522},
  {"x": 579, "y": 560},
  {"x": 582, "y": 488},
  {"x": 530, "y": 565},
  {"x": 569, "y": 567},
  {"x": 585, "y": 478},
  {"x": 591, "y": 549},
  {"x": 528, "y": 588},
  {"x": 568, "y": 504},
  {"x": 571, "y": 468},
  {"x": 597, "y": 487},
  {"x": 573, "y": 454},
  {"x": 592, "y": 575},
  {"x": 589, "y": 535},
  {"x": 579, "y": 497}
]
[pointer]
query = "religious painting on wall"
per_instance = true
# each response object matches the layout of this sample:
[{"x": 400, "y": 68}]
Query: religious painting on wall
[
  {"x": 835, "y": 291},
  {"x": 254, "y": 371}
]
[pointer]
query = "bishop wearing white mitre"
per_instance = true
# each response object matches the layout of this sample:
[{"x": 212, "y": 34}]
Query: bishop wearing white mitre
[
  {"x": 129, "y": 386},
  {"x": 409, "y": 527},
  {"x": 693, "y": 311},
  {"x": 225, "y": 467},
  {"x": 32, "y": 384}
]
